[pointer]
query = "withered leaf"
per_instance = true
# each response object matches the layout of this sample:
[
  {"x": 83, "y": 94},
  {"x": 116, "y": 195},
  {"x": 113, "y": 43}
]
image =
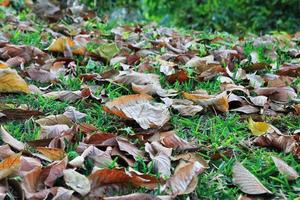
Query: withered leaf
[
  {"x": 185, "y": 178},
  {"x": 285, "y": 143},
  {"x": 140, "y": 108},
  {"x": 285, "y": 169},
  {"x": 9, "y": 165},
  {"x": 77, "y": 182},
  {"x": 10, "y": 140},
  {"x": 247, "y": 182},
  {"x": 52, "y": 153}
]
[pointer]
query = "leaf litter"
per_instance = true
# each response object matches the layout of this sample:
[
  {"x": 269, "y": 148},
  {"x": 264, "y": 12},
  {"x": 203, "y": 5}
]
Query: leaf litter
[{"x": 136, "y": 59}]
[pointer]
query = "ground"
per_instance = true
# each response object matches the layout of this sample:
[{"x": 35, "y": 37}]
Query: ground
[{"x": 213, "y": 131}]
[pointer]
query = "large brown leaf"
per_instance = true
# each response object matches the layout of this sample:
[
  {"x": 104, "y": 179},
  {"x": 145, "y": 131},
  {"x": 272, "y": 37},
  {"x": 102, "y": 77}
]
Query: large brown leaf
[
  {"x": 140, "y": 108},
  {"x": 247, "y": 182}
]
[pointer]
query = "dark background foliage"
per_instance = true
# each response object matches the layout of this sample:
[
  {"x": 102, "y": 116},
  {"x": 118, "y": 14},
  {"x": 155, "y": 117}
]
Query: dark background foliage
[{"x": 235, "y": 16}]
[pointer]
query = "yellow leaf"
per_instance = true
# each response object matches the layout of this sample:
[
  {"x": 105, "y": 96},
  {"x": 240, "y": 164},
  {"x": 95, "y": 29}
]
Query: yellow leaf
[
  {"x": 52, "y": 153},
  {"x": 9, "y": 165},
  {"x": 258, "y": 128},
  {"x": 10, "y": 81},
  {"x": 61, "y": 44}
]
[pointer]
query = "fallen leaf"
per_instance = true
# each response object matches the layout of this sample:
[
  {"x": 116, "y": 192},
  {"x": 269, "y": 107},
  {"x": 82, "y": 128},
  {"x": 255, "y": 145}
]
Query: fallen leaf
[
  {"x": 185, "y": 178},
  {"x": 160, "y": 156},
  {"x": 219, "y": 102},
  {"x": 52, "y": 153},
  {"x": 258, "y": 128},
  {"x": 259, "y": 100},
  {"x": 106, "y": 50},
  {"x": 280, "y": 94},
  {"x": 9, "y": 165},
  {"x": 180, "y": 76},
  {"x": 138, "y": 196},
  {"x": 18, "y": 114},
  {"x": 171, "y": 140},
  {"x": 11, "y": 81},
  {"x": 63, "y": 194},
  {"x": 247, "y": 182},
  {"x": 10, "y": 140},
  {"x": 285, "y": 169},
  {"x": 62, "y": 44},
  {"x": 285, "y": 143},
  {"x": 53, "y": 131},
  {"x": 56, "y": 171},
  {"x": 104, "y": 177},
  {"x": 77, "y": 182},
  {"x": 140, "y": 108},
  {"x": 131, "y": 149}
]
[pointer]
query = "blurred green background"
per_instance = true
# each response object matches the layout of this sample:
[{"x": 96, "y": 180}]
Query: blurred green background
[{"x": 234, "y": 16}]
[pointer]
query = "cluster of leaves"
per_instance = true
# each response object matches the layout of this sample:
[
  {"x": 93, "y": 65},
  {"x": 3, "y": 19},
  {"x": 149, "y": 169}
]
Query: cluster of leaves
[{"x": 140, "y": 78}]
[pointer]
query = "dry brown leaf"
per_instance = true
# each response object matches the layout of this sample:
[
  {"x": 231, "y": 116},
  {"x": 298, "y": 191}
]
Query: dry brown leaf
[
  {"x": 259, "y": 100},
  {"x": 183, "y": 106},
  {"x": 56, "y": 171},
  {"x": 202, "y": 64},
  {"x": 248, "y": 109},
  {"x": 219, "y": 102},
  {"x": 142, "y": 83},
  {"x": 10, "y": 140},
  {"x": 140, "y": 108},
  {"x": 9, "y": 165},
  {"x": 171, "y": 140},
  {"x": 18, "y": 114},
  {"x": 53, "y": 131},
  {"x": 285, "y": 143},
  {"x": 160, "y": 156},
  {"x": 105, "y": 177},
  {"x": 131, "y": 149},
  {"x": 247, "y": 182},
  {"x": 63, "y": 194},
  {"x": 138, "y": 196},
  {"x": 185, "y": 178},
  {"x": 280, "y": 94},
  {"x": 77, "y": 182},
  {"x": 52, "y": 153},
  {"x": 285, "y": 169}
]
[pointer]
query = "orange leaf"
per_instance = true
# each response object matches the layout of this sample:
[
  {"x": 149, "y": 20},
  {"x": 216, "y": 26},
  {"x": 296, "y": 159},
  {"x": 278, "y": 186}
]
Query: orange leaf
[
  {"x": 5, "y": 3},
  {"x": 9, "y": 165},
  {"x": 52, "y": 153}
]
